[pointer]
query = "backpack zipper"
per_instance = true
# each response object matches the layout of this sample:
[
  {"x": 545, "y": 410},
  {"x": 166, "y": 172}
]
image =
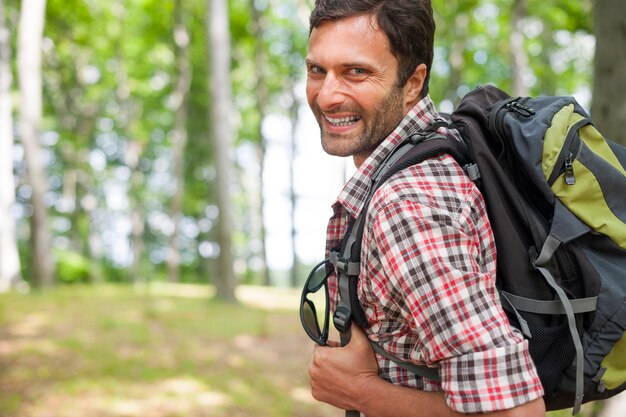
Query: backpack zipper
[
  {"x": 515, "y": 105},
  {"x": 572, "y": 145},
  {"x": 500, "y": 111},
  {"x": 570, "y": 178},
  {"x": 564, "y": 260}
]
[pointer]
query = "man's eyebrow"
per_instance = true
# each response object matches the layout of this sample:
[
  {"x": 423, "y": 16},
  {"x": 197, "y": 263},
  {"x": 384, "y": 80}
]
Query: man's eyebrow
[
  {"x": 357, "y": 64},
  {"x": 354, "y": 64}
]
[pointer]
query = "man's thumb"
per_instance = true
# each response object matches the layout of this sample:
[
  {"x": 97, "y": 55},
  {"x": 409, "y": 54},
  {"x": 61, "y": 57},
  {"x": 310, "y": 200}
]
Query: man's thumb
[{"x": 358, "y": 336}]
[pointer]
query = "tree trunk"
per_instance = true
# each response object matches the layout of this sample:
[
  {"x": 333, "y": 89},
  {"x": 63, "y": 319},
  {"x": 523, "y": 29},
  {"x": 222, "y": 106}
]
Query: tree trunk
[
  {"x": 135, "y": 271},
  {"x": 260, "y": 60},
  {"x": 179, "y": 136},
  {"x": 609, "y": 81},
  {"x": 30, "y": 81},
  {"x": 10, "y": 274},
  {"x": 518, "y": 52},
  {"x": 221, "y": 110},
  {"x": 266, "y": 275},
  {"x": 293, "y": 197},
  {"x": 125, "y": 119},
  {"x": 456, "y": 59}
]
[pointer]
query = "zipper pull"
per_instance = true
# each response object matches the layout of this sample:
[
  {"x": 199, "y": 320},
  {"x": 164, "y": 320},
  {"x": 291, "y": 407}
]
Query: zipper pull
[
  {"x": 517, "y": 107},
  {"x": 570, "y": 178}
]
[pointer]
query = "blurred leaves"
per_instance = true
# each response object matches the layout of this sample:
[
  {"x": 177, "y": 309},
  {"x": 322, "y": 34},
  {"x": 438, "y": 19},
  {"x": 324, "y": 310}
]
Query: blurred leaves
[{"x": 109, "y": 73}]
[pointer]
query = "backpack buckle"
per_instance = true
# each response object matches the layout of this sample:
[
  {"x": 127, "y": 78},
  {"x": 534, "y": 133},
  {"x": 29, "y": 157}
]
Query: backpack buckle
[
  {"x": 342, "y": 319},
  {"x": 341, "y": 265},
  {"x": 346, "y": 266}
]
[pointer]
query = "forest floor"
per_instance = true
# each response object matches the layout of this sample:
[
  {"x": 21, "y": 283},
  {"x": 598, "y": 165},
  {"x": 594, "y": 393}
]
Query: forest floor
[
  {"x": 117, "y": 351},
  {"x": 160, "y": 351}
]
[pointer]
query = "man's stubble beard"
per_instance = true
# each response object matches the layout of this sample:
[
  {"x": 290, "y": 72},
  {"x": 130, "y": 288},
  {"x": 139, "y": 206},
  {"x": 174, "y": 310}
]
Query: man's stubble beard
[{"x": 378, "y": 125}]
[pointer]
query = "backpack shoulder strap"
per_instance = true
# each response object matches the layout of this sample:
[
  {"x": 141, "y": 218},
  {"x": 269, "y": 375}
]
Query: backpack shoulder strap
[{"x": 346, "y": 259}]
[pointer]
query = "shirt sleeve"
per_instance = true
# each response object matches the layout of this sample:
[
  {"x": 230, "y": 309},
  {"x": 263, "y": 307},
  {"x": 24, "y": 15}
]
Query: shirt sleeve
[{"x": 434, "y": 261}]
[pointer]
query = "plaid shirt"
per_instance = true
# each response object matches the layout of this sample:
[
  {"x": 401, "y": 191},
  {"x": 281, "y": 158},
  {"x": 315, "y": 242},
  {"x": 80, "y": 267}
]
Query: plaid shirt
[{"x": 427, "y": 280}]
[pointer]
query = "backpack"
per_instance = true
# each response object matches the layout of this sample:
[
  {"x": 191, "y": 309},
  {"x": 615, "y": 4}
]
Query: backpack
[{"x": 555, "y": 192}]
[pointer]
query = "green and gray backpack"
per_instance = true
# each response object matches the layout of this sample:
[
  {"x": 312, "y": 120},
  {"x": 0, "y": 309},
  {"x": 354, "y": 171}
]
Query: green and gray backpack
[{"x": 555, "y": 191}]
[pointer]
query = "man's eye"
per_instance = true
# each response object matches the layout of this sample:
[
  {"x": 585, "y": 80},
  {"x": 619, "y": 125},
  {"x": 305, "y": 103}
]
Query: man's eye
[
  {"x": 358, "y": 71},
  {"x": 314, "y": 69}
]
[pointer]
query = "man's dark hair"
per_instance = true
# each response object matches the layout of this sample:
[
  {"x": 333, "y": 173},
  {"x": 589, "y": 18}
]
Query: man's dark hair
[{"x": 409, "y": 25}]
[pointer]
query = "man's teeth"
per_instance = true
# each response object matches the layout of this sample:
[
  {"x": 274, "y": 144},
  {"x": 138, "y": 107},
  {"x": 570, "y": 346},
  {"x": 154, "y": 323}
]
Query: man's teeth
[{"x": 343, "y": 121}]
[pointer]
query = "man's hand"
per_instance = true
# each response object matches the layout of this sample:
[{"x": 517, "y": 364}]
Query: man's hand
[
  {"x": 339, "y": 374},
  {"x": 347, "y": 378}
]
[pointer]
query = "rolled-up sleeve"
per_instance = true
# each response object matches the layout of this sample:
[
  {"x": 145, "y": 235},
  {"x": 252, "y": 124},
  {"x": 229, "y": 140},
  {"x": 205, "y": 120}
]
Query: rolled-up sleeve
[{"x": 496, "y": 379}]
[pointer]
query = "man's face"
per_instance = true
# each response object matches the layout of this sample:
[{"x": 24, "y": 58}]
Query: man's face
[{"x": 351, "y": 86}]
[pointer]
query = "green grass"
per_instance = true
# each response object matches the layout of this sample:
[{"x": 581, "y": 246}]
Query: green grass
[
  {"x": 114, "y": 351},
  {"x": 166, "y": 351}
]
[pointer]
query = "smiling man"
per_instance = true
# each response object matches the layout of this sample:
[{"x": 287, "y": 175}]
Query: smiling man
[
  {"x": 427, "y": 277},
  {"x": 353, "y": 87}
]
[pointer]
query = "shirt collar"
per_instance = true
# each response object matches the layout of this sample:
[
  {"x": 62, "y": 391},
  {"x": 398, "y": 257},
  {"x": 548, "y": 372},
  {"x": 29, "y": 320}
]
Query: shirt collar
[{"x": 356, "y": 190}]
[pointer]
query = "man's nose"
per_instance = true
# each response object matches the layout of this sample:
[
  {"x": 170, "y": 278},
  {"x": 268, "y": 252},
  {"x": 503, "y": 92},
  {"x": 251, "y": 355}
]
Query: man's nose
[{"x": 331, "y": 94}]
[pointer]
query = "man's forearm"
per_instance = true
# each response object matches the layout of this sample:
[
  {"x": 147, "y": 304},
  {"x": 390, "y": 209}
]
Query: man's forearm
[{"x": 380, "y": 398}]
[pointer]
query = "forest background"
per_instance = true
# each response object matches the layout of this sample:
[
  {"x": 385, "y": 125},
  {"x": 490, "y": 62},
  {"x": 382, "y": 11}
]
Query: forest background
[{"x": 167, "y": 144}]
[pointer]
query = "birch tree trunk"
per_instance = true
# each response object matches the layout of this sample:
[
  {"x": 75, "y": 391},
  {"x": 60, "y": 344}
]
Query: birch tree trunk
[
  {"x": 609, "y": 80},
  {"x": 9, "y": 256},
  {"x": 29, "y": 69},
  {"x": 221, "y": 109},
  {"x": 179, "y": 136}
]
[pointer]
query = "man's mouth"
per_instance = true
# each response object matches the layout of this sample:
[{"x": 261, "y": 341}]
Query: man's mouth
[{"x": 342, "y": 121}]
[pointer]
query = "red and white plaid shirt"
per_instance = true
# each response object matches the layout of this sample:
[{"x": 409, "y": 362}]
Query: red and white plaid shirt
[{"x": 427, "y": 280}]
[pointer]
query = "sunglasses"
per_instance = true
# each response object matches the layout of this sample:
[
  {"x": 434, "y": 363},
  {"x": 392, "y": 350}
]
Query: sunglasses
[{"x": 318, "y": 278}]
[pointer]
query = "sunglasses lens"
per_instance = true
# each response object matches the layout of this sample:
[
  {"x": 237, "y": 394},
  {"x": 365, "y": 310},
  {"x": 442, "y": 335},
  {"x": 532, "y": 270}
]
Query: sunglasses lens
[
  {"x": 317, "y": 277},
  {"x": 311, "y": 297},
  {"x": 309, "y": 320}
]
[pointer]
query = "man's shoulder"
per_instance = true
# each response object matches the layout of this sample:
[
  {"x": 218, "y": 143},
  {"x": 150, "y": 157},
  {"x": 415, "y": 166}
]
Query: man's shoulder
[{"x": 438, "y": 181}]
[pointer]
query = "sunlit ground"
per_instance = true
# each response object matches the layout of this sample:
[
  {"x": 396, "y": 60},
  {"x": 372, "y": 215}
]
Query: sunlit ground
[{"x": 168, "y": 351}]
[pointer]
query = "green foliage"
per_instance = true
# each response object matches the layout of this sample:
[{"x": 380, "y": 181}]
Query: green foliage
[
  {"x": 115, "y": 274},
  {"x": 283, "y": 46},
  {"x": 109, "y": 74},
  {"x": 72, "y": 268},
  {"x": 475, "y": 34}
]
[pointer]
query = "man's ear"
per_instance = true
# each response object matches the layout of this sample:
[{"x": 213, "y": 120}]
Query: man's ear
[{"x": 413, "y": 86}]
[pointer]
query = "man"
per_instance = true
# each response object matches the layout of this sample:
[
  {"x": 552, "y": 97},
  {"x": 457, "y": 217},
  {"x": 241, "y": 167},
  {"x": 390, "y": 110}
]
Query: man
[{"x": 428, "y": 255}]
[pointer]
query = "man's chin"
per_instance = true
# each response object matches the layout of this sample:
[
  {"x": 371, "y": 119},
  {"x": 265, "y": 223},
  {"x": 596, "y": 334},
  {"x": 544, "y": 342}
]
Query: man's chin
[
  {"x": 337, "y": 145},
  {"x": 336, "y": 151}
]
